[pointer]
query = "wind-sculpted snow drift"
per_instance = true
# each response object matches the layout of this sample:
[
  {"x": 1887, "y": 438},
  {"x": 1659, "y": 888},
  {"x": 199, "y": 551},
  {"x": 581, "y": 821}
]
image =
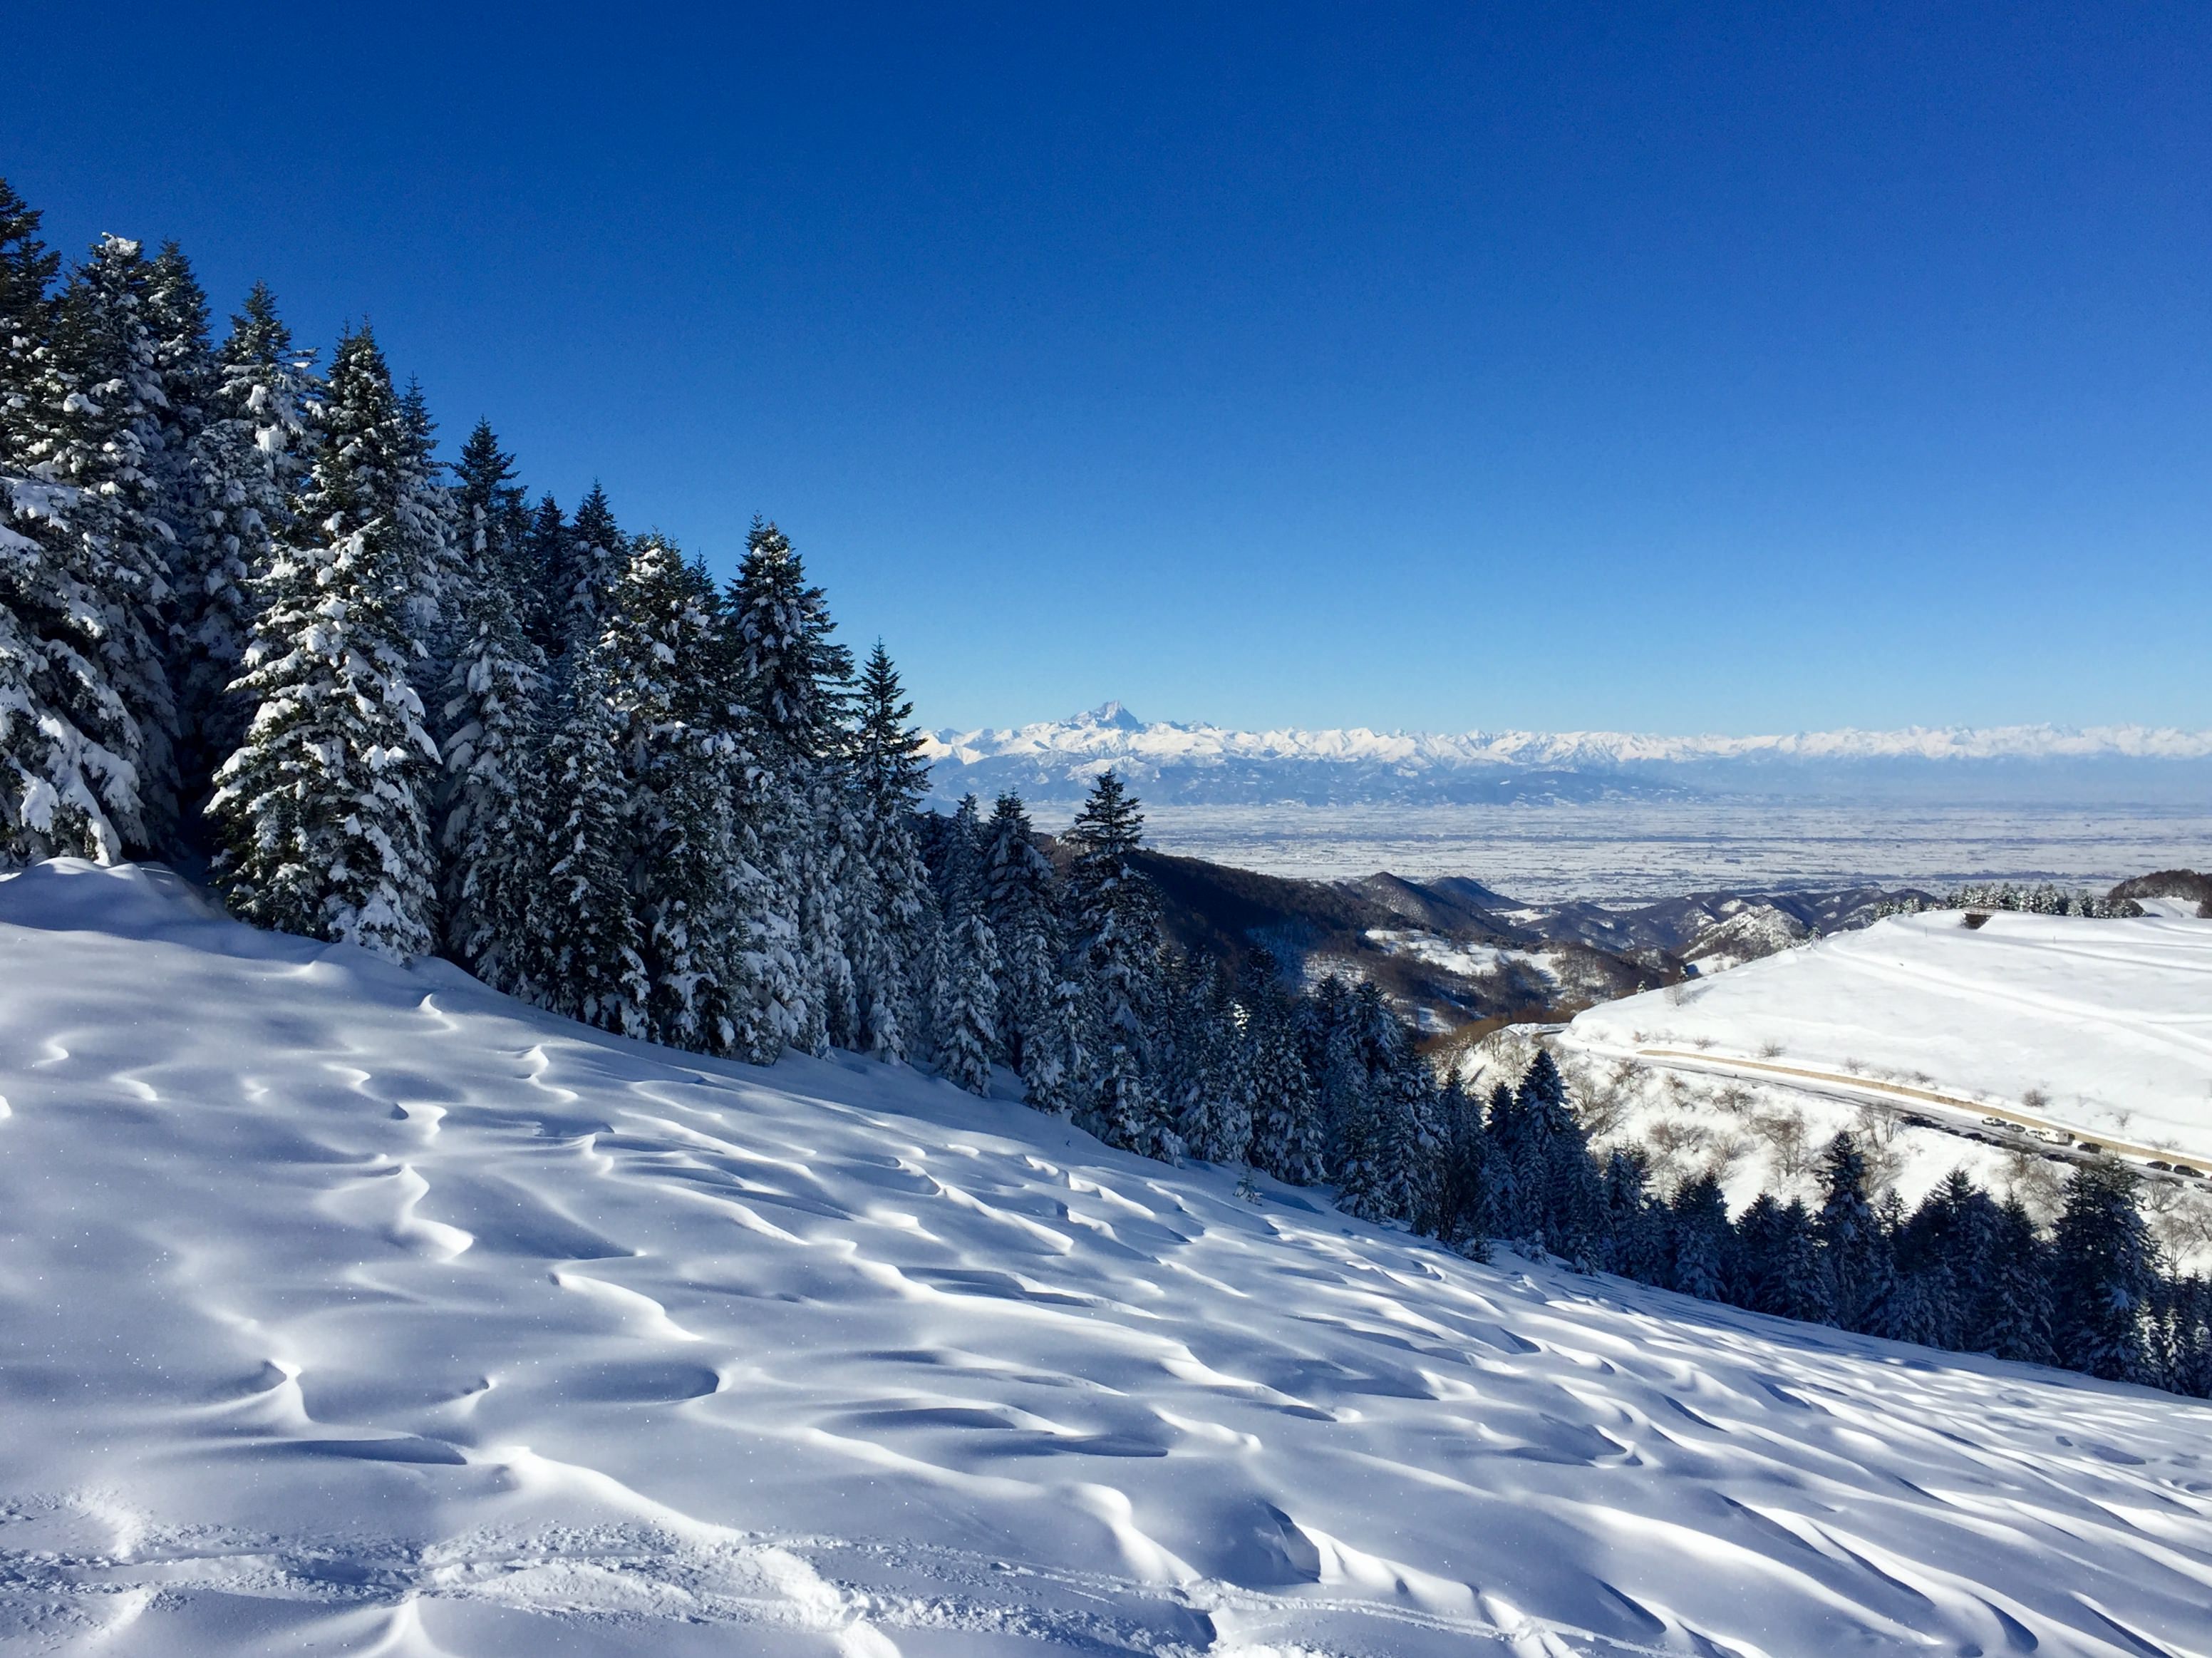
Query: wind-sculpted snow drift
[{"x": 353, "y": 1308}]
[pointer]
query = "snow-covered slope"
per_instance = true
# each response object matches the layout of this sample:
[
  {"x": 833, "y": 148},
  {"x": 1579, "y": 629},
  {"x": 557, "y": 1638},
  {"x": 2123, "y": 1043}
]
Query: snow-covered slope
[
  {"x": 2102, "y": 1027},
  {"x": 1199, "y": 764},
  {"x": 354, "y": 1309}
]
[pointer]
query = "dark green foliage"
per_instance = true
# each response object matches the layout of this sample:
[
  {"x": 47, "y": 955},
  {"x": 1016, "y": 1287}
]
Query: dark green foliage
[
  {"x": 1854, "y": 1249},
  {"x": 891, "y": 916},
  {"x": 1453, "y": 1202},
  {"x": 1272, "y": 1078},
  {"x": 1115, "y": 952},
  {"x": 1777, "y": 1266},
  {"x": 967, "y": 998},
  {"x": 2104, "y": 1273},
  {"x": 489, "y": 829},
  {"x": 1698, "y": 1240},
  {"x": 1635, "y": 1229},
  {"x": 1021, "y": 896}
]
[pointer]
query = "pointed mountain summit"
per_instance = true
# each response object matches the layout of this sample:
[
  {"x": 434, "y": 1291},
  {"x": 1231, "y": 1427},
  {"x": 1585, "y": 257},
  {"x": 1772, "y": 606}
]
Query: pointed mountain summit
[{"x": 1109, "y": 716}]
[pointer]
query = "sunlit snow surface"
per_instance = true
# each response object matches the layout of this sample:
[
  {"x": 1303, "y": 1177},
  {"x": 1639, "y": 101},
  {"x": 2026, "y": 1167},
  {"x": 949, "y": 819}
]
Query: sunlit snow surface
[
  {"x": 2105, "y": 1024},
  {"x": 1629, "y": 849},
  {"x": 353, "y": 1309}
]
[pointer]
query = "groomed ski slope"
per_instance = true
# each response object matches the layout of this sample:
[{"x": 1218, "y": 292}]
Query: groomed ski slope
[
  {"x": 352, "y": 1309},
  {"x": 2102, "y": 1027}
]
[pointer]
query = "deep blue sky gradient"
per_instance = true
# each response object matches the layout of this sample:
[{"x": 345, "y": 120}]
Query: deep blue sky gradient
[{"x": 1679, "y": 367}]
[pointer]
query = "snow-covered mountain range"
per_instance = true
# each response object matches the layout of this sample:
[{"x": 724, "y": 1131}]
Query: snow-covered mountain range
[{"x": 1208, "y": 765}]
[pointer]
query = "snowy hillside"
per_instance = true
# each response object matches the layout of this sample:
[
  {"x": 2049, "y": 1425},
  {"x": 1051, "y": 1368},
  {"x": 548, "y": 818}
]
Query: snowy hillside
[
  {"x": 2030, "y": 1033},
  {"x": 353, "y": 1308},
  {"x": 1205, "y": 765}
]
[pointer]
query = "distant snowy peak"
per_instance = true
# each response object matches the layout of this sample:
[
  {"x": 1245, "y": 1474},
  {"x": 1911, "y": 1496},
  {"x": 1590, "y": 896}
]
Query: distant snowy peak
[
  {"x": 1106, "y": 716},
  {"x": 1213, "y": 765}
]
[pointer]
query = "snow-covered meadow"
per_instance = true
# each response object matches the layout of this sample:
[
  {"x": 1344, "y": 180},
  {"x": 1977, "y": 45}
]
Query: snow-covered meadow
[{"x": 353, "y": 1308}]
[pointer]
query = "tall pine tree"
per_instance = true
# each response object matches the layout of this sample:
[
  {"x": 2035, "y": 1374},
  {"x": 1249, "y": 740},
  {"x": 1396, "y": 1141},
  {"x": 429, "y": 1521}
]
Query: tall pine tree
[
  {"x": 247, "y": 458},
  {"x": 1116, "y": 949},
  {"x": 890, "y": 915},
  {"x": 579, "y": 955},
  {"x": 2104, "y": 1268},
  {"x": 101, "y": 416},
  {"x": 967, "y": 998},
  {"x": 1022, "y": 897},
  {"x": 326, "y": 806},
  {"x": 490, "y": 832},
  {"x": 794, "y": 681},
  {"x": 70, "y": 745},
  {"x": 660, "y": 651}
]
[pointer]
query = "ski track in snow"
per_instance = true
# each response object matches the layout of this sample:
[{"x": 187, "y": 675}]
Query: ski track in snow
[{"x": 351, "y": 1308}]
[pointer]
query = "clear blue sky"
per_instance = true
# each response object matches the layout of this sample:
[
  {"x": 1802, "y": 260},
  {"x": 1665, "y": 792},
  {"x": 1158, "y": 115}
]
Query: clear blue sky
[{"x": 1685, "y": 368}]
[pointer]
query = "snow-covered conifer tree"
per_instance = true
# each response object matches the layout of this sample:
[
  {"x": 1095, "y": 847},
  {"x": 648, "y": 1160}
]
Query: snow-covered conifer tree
[
  {"x": 1946, "y": 1246},
  {"x": 2104, "y": 1269},
  {"x": 1516, "y": 1165},
  {"x": 69, "y": 745},
  {"x": 1455, "y": 1197},
  {"x": 1404, "y": 1095},
  {"x": 1277, "y": 1089},
  {"x": 542, "y": 560},
  {"x": 796, "y": 683},
  {"x": 1212, "y": 1099},
  {"x": 966, "y": 1019},
  {"x": 325, "y": 805},
  {"x": 1116, "y": 947},
  {"x": 661, "y": 652},
  {"x": 489, "y": 834},
  {"x": 2010, "y": 1314},
  {"x": 1570, "y": 1200},
  {"x": 579, "y": 952},
  {"x": 429, "y": 539},
  {"x": 177, "y": 318},
  {"x": 583, "y": 562},
  {"x": 1854, "y": 1249},
  {"x": 1777, "y": 1267},
  {"x": 1356, "y": 1147},
  {"x": 246, "y": 458},
  {"x": 1022, "y": 897},
  {"x": 103, "y": 407},
  {"x": 891, "y": 913},
  {"x": 1634, "y": 1245},
  {"x": 1698, "y": 1228}
]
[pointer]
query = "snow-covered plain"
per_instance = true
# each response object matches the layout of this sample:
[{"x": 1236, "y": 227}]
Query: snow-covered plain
[
  {"x": 352, "y": 1308},
  {"x": 1641, "y": 851}
]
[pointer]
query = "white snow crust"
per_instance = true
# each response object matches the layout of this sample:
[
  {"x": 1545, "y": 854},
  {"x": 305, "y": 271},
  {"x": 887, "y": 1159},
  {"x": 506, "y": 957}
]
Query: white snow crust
[{"x": 351, "y": 1308}]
